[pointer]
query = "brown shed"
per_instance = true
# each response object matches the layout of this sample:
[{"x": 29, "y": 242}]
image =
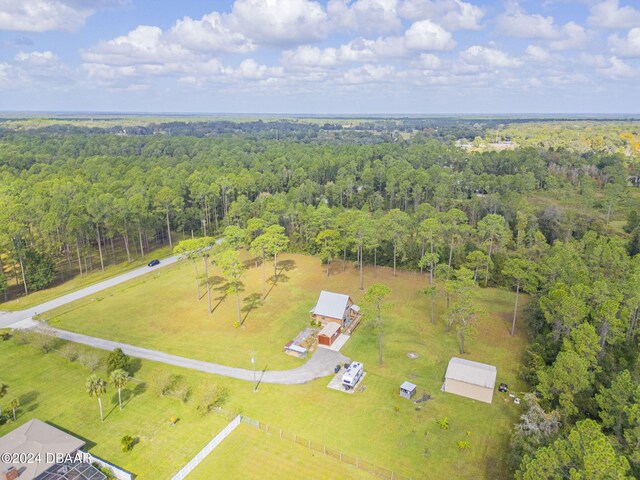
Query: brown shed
[
  {"x": 470, "y": 379},
  {"x": 329, "y": 334}
]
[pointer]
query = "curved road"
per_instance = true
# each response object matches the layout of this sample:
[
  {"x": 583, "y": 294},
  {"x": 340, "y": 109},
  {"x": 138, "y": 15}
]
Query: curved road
[{"x": 320, "y": 365}]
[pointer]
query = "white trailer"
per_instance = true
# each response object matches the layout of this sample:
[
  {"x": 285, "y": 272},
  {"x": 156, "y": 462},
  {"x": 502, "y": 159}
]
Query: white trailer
[{"x": 353, "y": 375}]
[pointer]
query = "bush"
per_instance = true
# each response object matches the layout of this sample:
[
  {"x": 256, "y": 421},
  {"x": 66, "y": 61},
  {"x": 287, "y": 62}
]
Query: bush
[
  {"x": 213, "y": 396},
  {"x": 182, "y": 391},
  {"x": 90, "y": 360},
  {"x": 5, "y": 335},
  {"x": 127, "y": 442},
  {"x": 70, "y": 351},
  {"x": 3, "y": 419},
  {"x": 44, "y": 339},
  {"x": 117, "y": 360},
  {"x": 163, "y": 383},
  {"x": 22, "y": 337}
]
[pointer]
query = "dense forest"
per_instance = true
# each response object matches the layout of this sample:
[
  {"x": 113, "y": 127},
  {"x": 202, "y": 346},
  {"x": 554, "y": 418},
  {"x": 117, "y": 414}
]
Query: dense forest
[{"x": 554, "y": 219}]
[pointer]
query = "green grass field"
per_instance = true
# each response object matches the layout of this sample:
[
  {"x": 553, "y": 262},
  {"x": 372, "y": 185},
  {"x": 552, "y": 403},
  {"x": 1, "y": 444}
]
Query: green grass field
[
  {"x": 250, "y": 453},
  {"x": 18, "y": 301},
  {"x": 376, "y": 425}
]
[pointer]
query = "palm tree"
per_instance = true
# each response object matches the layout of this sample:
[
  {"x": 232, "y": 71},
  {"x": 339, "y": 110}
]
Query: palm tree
[
  {"x": 119, "y": 378},
  {"x": 95, "y": 387},
  {"x": 14, "y": 405},
  {"x": 3, "y": 392}
]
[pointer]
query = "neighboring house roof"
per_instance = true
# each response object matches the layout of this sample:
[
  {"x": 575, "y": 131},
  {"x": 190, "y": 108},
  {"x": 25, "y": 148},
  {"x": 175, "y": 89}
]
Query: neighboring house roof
[
  {"x": 36, "y": 437},
  {"x": 331, "y": 304},
  {"x": 329, "y": 329},
  {"x": 408, "y": 386},
  {"x": 474, "y": 373}
]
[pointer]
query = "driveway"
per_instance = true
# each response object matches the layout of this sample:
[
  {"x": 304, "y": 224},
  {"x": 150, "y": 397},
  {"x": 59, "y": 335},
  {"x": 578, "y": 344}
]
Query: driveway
[{"x": 322, "y": 363}]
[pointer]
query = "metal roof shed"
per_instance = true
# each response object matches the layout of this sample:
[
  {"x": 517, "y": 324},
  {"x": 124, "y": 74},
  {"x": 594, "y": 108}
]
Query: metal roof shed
[
  {"x": 408, "y": 390},
  {"x": 470, "y": 379}
]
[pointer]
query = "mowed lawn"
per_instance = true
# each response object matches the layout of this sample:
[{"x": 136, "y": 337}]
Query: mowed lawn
[
  {"x": 161, "y": 311},
  {"x": 51, "y": 388},
  {"x": 250, "y": 453}
]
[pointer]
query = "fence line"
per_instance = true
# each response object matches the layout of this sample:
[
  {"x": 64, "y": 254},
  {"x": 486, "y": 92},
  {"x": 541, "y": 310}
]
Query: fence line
[
  {"x": 355, "y": 462},
  {"x": 202, "y": 454}
]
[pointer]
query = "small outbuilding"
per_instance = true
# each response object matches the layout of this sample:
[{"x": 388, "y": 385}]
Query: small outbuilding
[
  {"x": 408, "y": 390},
  {"x": 470, "y": 379},
  {"x": 329, "y": 334}
]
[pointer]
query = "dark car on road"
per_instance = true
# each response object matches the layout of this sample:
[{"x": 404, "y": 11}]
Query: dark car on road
[{"x": 153, "y": 263}]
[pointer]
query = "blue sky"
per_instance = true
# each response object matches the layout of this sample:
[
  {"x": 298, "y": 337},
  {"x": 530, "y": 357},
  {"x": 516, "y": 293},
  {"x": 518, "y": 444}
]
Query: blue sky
[{"x": 321, "y": 57}]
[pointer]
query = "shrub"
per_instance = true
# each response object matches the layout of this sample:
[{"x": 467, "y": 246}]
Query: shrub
[
  {"x": 22, "y": 337},
  {"x": 117, "y": 360},
  {"x": 182, "y": 391},
  {"x": 213, "y": 396},
  {"x": 443, "y": 423},
  {"x": 5, "y": 335},
  {"x": 163, "y": 383},
  {"x": 463, "y": 445},
  {"x": 127, "y": 442},
  {"x": 70, "y": 351},
  {"x": 44, "y": 339},
  {"x": 3, "y": 419},
  {"x": 90, "y": 360}
]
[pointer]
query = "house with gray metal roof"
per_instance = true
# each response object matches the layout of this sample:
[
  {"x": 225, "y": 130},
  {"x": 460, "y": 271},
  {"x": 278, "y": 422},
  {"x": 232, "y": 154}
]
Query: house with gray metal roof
[{"x": 335, "y": 307}]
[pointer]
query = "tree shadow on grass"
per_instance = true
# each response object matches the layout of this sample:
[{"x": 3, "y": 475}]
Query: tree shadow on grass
[
  {"x": 135, "y": 364},
  {"x": 28, "y": 398},
  {"x": 251, "y": 302}
]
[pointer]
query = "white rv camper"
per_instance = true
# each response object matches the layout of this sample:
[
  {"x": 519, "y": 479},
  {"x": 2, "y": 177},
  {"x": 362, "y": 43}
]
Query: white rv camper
[{"x": 353, "y": 375}]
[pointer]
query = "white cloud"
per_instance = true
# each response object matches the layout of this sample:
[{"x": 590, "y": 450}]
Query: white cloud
[
  {"x": 38, "y": 58},
  {"x": 428, "y": 36},
  {"x": 452, "y": 14},
  {"x": 427, "y": 61},
  {"x": 146, "y": 45},
  {"x": 364, "y": 15},
  {"x": 537, "y": 54},
  {"x": 357, "y": 50},
  {"x": 368, "y": 74},
  {"x": 250, "y": 69},
  {"x": 609, "y": 14},
  {"x": 279, "y": 22},
  {"x": 45, "y": 15},
  {"x": 516, "y": 23},
  {"x": 210, "y": 33},
  {"x": 571, "y": 36},
  {"x": 618, "y": 69},
  {"x": 489, "y": 57},
  {"x": 626, "y": 47}
]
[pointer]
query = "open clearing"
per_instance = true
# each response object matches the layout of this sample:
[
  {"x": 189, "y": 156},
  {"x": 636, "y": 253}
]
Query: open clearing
[
  {"x": 250, "y": 453},
  {"x": 161, "y": 312}
]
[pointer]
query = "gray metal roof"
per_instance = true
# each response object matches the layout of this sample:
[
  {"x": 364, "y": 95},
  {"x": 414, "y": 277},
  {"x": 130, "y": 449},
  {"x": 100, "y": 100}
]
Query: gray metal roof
[
  {"x": 36, "y": 437},
  {"x": 474, "y": 373},
  {"x": 408, "y": 386},
  {"x": 331, "y": 305}
]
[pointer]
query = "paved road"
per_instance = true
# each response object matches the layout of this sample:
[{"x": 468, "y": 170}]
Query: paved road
[
  {"x": 320, "y": 365},
  {"x": 9, "y": 318}
]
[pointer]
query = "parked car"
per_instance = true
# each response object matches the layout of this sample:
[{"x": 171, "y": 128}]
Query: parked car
[{"x": 154, "y": 262}]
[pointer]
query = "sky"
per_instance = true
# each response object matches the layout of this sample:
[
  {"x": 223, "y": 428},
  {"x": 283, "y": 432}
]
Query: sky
[{"x": 320, "y": 57}]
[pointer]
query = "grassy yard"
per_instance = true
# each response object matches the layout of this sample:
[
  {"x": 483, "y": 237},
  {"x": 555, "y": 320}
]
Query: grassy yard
[
  {"x": 51, "y": 388},
  {"x": 20, "y": 301},
  {"x": 161, "y": 311},
  {"x": 250, "y": 453}
]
